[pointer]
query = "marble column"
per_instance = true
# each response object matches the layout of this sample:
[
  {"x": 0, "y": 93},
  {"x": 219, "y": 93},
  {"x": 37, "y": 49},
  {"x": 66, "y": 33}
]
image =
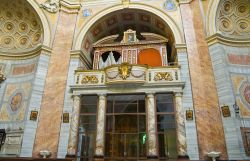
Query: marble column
[
  {"x": 151, "y": 130},
  {"x": 210, "y": 132},
  {"x": 51, "y": 108},
  {"x": 72, "y": 143},
  {"x": 100, "y": 132},
  {"x": 180, "y": 127}
]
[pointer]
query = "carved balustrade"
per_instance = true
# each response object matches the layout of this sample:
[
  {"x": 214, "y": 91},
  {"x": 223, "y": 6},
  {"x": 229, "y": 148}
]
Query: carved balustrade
[{"x": 128, "y": 73}]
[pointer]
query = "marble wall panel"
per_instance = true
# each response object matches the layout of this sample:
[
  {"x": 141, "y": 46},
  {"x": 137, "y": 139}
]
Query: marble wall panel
[
  {"x": 230, "y": 78},
  {"x": 15, "y": 92}
]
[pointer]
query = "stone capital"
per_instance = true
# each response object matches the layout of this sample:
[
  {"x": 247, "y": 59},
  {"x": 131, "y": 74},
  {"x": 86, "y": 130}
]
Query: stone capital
[
  {"x": 184, "y": 1},
  {"x": 150, "y": 94},
  {"x": 71, "y": 7},
  {"x": 178, "y": 94},
  {"x": 181, "y": 48},
  {"x": 76, "y": 97}
]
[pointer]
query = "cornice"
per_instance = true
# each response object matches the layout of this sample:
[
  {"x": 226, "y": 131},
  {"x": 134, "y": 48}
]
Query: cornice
[
  {"x": 184, "y": 1},
  {"x": 70, "y": 7},
  {"x": 218, "y": 38},
  {"x": 26, "y": 54},
  {"x": 80, "y": 55}
]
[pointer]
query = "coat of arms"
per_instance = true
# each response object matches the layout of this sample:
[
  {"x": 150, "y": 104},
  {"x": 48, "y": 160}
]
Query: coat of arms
[{"x": 124, "y": 70}]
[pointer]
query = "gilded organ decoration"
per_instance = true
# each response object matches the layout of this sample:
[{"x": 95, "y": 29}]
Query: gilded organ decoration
[
  {"x": 233, "y": 18},
  {"x": 163, "y": 76},
  {"x": 21, "y": 27},
  {"x": 89, "y": 79},
  {"x": 124, "y": 70}
]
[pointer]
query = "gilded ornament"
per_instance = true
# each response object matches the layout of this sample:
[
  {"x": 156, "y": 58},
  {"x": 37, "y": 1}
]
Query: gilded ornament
[
  {"x": 227, "y": 7},
  {"x": 23, "y": 41},
  {"x": 19, "y": 15},
  {"x": 242, "y": 9},
  {"x": 7, "y": 41},
  {"x": 8, "y": 14},
  {"x": 34, "y": 23},
  {"x": 163, "y": 76},
  {"x": 37, "y": 37},
  {"x": 9, "y": 26},
  {"x": 2, "y": 77},
  {"x": 243, "y": 25},
  {"x": 22, "y": 26},
  {"x": 124, "y": 70},
  {"x": 90, "y": 79}
]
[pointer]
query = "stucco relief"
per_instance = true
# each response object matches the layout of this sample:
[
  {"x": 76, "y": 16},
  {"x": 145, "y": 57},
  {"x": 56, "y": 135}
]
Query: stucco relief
[
  {"x": 14, "y": 105},
  {"x": 16, "y": 101},
  {"x": 247, "y": 93},
  {"x": 241, "y": 90},
  {"x": 20, "y": 26},
  {"x": 233, "y": 18}
]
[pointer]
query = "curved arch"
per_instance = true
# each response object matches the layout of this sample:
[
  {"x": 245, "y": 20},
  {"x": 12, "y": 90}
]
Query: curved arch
[
  {"x": 44, "y": 21},
  {"x": 211, "y": 17},
  {"x": 179, "y": 39}
]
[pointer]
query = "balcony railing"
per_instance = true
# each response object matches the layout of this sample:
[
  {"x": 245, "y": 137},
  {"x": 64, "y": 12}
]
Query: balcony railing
[{"x": 128, "y": 74}]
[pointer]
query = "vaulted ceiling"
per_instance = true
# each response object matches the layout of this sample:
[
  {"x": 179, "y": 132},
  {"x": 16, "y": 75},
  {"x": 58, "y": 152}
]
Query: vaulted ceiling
[{"x": 119, "y": 21}]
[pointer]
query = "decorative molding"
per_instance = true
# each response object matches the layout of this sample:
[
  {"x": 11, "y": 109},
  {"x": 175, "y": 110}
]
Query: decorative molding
[
  {"x": 78, "y": 54},
  {"x": 70, "y": 7},
  {"x": 26, "y": 54},
  {"x": 184, "y": 1},
  {"x": 218, "y": 38},
  {"x": 181, "y": 48}
]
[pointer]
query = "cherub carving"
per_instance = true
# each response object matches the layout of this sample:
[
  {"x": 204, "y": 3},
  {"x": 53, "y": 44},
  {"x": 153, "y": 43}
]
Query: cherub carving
[{"x": 50, "y": 6}]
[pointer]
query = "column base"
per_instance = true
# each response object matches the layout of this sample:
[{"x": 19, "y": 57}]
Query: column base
[
  {"x": 153, "y": 158},
  {"x": 183, "y": 158},
  {"x": 98, "y": 158},
  {"x": 70, "y": 156}
]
